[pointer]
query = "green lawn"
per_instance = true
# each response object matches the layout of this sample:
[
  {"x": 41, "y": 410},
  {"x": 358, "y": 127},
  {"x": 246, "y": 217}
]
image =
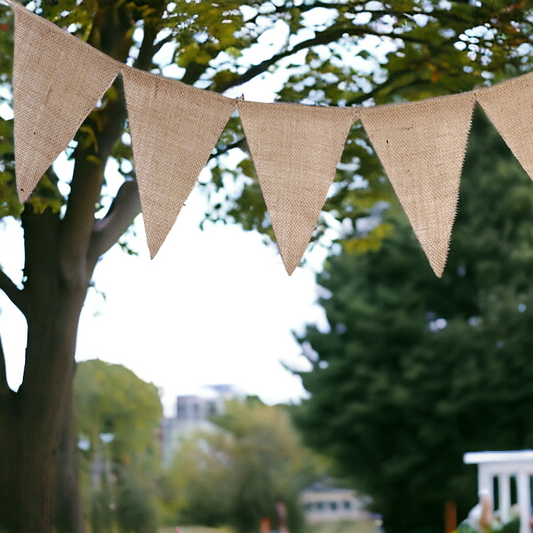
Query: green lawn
[{"x": 362, "y": 526}]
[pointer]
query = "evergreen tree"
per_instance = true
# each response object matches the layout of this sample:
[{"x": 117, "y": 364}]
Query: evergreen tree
[{"x": 417, "y": 370}]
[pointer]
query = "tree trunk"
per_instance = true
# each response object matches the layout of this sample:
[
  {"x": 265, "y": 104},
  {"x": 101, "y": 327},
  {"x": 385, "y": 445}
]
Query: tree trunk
[
  {"x": 38, "y": 421},
  {"x": 32, "y": 422},
  {"x": 9, "y": 462},
  {"x": 38, "y": 440},
  {"x": 67, "y": 506},
  {"x": 32, "y": 418}
]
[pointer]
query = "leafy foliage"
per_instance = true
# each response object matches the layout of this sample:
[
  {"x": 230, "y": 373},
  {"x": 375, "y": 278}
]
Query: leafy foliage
[
  {"x": 112, "y": 399},
  {"x": 237, "y": 476},
  {"x": 118, "y": 417},
  {"x": 345, "y": 53},
  {"x": 372, "y": 52},
  {"x": 416, "y": 371}
]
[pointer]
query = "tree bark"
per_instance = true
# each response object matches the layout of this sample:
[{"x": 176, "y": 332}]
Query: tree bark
[
  {"x": 9, "y": 458},
  {"x": 67, "y": 505},
  {"x": 31, "y": 417}
]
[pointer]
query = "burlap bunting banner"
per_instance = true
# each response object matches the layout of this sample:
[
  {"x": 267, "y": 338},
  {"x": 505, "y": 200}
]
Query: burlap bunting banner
[
  {"x": 509, "y": 106},
  {"x": 57, "y": 81},
  {"x": 174, "y": 128},
  {"x": 422, "y": 146},
  {"x": 295, "y": 149}
]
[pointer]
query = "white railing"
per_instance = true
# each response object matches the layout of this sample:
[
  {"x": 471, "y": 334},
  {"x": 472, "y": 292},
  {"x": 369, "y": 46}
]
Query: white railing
[{"x": 503, "y": 466}]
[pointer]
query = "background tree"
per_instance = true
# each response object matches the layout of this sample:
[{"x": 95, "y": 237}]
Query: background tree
[
  {"x": 119, "y": 421},
  {"x": 416, "y": 371},
  {"x": 65, "y": 235},
  {"x": 237, "y": 476}
]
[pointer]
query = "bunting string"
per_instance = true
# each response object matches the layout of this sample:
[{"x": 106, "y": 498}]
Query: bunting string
[{"x": 58, "y": 80}]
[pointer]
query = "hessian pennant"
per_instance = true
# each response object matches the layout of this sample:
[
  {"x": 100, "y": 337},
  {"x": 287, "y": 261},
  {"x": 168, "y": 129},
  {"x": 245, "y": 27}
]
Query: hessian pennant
[
  {"x": 295, "y": 149},
  {"x": 422, "y": 146},
  {"x": 57, "y": 81},
  {"x": 174, "y": 128},
  {"x": 509, "y": 106}
]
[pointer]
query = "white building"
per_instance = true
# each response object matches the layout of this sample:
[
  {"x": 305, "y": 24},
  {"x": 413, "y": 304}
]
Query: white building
[
  {"x": 192, "y": 414},
  {"x": 324, "y": 504}
]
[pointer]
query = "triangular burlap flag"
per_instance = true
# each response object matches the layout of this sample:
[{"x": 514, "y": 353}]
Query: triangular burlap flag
[
  {"x": 509, "y": 106},
  {"x": 57, "y": 81},
  {"x": 174, "y": 128},
  {"x": 422, "y": 147},
  {"x": 295, "y": 149}
]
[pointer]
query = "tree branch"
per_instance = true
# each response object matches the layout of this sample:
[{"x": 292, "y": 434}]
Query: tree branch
[
  {"x": 391, "y": 82},
  {"x": 321, "y": 38},
  {"x": 78, "y": 223},
  {"x": 151, "y": 29},
  {"x": 12, "y": 292},
  {"x": 111, "y": 33},
  {"x": 241, "y": 143},
  {"x": 157, "y": 46},
  {"x": 107, "y": 231},
  {"x": 304, "y": 8}
]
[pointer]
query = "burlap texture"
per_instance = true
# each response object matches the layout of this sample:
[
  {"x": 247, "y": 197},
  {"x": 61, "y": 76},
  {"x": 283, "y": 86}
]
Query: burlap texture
[
  {"x": 295, "y": 149},
  {"x": 509, "y": 106},
  {"x": 174, "y": 128},
  {"x": 422, "y": 146},
  {"x": 57, "y": 81}
]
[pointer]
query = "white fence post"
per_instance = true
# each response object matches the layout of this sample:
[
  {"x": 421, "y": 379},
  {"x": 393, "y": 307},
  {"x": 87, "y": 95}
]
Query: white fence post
[{"x": 504, "y": 488}]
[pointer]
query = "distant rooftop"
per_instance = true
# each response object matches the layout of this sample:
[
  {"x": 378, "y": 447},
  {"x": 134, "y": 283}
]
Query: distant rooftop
[{"x": 322, "y": 487}]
